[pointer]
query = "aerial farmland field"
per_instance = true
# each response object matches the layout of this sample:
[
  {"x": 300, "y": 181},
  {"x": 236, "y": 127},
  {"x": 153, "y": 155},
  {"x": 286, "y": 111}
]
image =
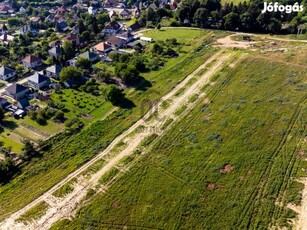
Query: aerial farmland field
[{"x": 230, "y": 162}]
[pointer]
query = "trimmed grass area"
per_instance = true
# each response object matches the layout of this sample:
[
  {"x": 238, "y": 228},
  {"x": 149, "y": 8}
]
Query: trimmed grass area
[
  {"x": 67, "y": 152},
  {"x": 182, "y": 35},
  {"x": 11, "y": 140},
  {"x": 227, "y": 163}
]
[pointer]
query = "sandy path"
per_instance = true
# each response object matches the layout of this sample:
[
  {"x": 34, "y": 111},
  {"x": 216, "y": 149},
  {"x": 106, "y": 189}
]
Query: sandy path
[{"x": 65, "y": 207}]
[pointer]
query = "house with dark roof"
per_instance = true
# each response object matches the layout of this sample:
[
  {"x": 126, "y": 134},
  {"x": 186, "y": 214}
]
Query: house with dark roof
[
  {"x": 125, "y": 14},
  {"x": 53, "y": 71},
  {"x": 113, "y": 14},
  {"x": 135, "y": 45},
  {"x": 23, "y": 103},
  {"x": 32, "y": 62},
  {"x": 127, "y": 36},
  {"x": 116, "y": 42},
  {"x": 110, "y": 3},
  {"x": 6, "y": 73},
  {"x": 24, "y": 29},
  {"x": 102, "y": 47},
  {"x": 55, "y": 52},
  {"x": 134, "y": 26},
  {"x": 112, "y": 28},
  {"x": 16, "y": 91},
  {"x": 38, "y": 81},
  {"x": 89, "y": 55},
  {"x": 50, "y": 18},
  {"x": 61, "y": 26}
]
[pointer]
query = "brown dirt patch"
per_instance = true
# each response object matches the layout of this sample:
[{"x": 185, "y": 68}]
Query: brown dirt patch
[
  {"x": 116, "y": 204},
  {"x": 207, "y": 101},
  {"x": 185, "y": 217},
  {"x": 301, "y": 152},
  {"x": 226, "y": 169},
  {"x": 207, "y": 118},
  {"x": 210, "y": 186}
]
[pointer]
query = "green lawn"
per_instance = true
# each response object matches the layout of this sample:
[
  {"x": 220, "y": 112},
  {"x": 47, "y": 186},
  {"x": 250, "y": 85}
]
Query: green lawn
[
  {"x": 11, "y": 140},
  {"x": 182, "y": 35},
  {"x": 67, "y": 152},
  {"x": 80, "y": 104},
  {"x": 225, "y": 165}
]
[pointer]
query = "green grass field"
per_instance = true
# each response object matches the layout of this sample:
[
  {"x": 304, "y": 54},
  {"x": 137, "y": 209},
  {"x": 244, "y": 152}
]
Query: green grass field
[
  {"x": 226, "y": 165},
  {"x": 66, "y": 152}
]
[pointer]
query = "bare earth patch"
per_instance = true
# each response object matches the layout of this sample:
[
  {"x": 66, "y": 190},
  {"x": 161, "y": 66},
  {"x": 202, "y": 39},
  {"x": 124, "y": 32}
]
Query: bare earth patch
[
  {"x": 226, "y": 169},
  {"x": 301, "y": 152},
  {"x": 116, "y": 204},
  {"x": 207, "y": 101}
]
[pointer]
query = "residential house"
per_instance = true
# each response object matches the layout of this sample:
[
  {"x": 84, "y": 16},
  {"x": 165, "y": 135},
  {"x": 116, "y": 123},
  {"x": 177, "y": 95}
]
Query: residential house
[
  {"x": 112, "y": 28},
  {"x": 113, "y": 14},
  {"x": 6, "y": 38},
  {"x": 89, "y": 55},
  {"x": 38, "y": 81},
  {"x": 110, "y": 3},
  {"x": 16, "y": 91},
  {"x": 32, "y": 62},
  {"x": 55, "y": 44},
  {"x": 6, "y": 10},
  {"x": 53, "y": 10},
  {"x": 61, "y": 26},
  {"x": 62, "y": 10},
  {"x": 23, "y": 103},
  {"x": 6, "y": 73},
  {"x": 53, "y": 71},
  {"x": 102, "y": 47},
  {"x": 23, "y": 30},
  {"x": 50, "y": 18},
  {"x": 116, "y": 42},
  {"x": 22, "y": 9},
  {"x": 55, "y": 52},
  {"x": 92, "y": 10},
  {"x": 125, "y": 14},
  {"x": 3, "y": 29},
  {"x": 135, "y": 45},
  {"x": 74, "y": 38},
  {"x": 127, "y": 36},
  {"x": 133, "y": 27},
  {"x": 137, "y": 12},
  {"x": 35, "y": 19},
  {"x": 3, "y": 103}
]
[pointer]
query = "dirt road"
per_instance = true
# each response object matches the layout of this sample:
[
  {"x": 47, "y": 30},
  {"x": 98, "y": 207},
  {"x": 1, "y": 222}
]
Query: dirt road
[{"x": 65, "y": 207}]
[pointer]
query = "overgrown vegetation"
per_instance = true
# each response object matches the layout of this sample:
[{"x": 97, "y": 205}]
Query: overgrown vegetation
[{"x": 216, "y": 160}]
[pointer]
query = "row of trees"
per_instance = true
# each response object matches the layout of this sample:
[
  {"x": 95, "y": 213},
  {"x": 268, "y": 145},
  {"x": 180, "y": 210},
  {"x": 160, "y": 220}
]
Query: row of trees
[{"x": 245, "y": 16}]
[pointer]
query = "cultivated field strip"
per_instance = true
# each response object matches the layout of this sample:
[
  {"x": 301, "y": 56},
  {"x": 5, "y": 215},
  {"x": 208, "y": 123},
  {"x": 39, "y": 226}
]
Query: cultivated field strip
[
  {"x": 65, "y": 207},
  {"x": 252, "y": 207}
]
